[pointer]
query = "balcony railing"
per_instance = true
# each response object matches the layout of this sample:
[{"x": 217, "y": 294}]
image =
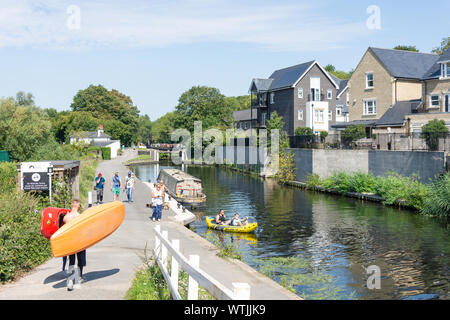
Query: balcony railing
[{"x": 321, "y": 98}]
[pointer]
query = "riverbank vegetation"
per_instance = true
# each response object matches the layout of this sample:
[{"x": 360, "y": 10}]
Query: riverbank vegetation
[
  {"x": 149, "y": 284},
  {"x": 430, "y": 199}
]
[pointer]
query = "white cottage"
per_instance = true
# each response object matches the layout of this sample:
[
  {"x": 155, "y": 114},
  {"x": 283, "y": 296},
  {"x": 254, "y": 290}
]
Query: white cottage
[{"x": 97, "y": 138}]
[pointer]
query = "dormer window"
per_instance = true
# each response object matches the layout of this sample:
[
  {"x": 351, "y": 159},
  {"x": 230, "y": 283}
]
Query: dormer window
[{"x": 445, "y": 70}]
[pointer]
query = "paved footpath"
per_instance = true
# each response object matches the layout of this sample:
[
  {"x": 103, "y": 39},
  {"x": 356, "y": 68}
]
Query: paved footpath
[{"x": 112, "y": 263}]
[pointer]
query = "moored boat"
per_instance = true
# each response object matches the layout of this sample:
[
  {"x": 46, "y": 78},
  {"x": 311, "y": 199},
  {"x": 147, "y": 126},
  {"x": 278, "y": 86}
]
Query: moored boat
[{"x": 183, "y": 187}]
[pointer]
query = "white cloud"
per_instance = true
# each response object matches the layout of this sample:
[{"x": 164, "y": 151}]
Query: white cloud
[{"x": 139, "y": 23}]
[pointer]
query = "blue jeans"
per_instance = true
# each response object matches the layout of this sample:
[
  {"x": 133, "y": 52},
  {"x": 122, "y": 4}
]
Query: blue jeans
[
  {"x": 157, "y": 212},
  {"x": 130, "y": 194}
]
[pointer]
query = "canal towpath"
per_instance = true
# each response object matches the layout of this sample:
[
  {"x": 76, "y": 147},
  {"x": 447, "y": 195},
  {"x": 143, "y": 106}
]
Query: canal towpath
[{"x": 112, "y": 263}]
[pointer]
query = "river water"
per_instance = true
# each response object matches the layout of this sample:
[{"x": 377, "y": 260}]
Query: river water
[{"x": 323, "y": 245}]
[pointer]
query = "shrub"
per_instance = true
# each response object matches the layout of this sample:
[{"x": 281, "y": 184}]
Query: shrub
[
  {"x": 286, "y": 168},
  {"x": 313, "y": 181},
  {"x": 323, "y": 135},
  {"x": 353, "y": 133},
  {"x": 432, "y": 131},
  {"x": 106, "y": 153},
  {"x": 22, "y": 247},
  {"x": 438, "y": 201},
  {"x": 304, "y": 132},
  {"x": 8, "y": 176}
]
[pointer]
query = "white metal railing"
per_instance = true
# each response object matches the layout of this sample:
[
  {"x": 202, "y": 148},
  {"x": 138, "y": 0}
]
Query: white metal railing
[{"x": 163, "y": 247}]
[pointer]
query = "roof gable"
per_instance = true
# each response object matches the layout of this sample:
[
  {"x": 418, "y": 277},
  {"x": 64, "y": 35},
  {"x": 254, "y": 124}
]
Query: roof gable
[
  {"x": 405, "y": 64},
  {"x": 289, "y": 77}
]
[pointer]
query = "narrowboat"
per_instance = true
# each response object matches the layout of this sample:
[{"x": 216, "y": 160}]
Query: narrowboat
[{"x": 183, "y": 187}]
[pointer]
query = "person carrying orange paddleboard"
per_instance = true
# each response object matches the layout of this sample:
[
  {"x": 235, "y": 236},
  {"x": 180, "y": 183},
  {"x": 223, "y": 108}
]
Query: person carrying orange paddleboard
[{"x": 81, "y": 256}]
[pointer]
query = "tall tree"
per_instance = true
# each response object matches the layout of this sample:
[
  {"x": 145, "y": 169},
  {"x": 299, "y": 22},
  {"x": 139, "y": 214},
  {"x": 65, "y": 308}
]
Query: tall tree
[
  {"x": 110, "y": 105},
  {"x": 24, "y": 99},
  {"x": 203, "y": 104}
]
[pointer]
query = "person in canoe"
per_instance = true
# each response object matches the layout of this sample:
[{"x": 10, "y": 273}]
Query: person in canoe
[
  {"x": 237, "y": 222},
  {"x": 221, "y": 219}
]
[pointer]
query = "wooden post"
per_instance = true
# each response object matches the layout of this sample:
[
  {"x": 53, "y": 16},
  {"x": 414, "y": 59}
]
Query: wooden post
[
  {"x": 241, "y": 291},
  {"x": 157, "y": 241},
  {"x": 174, "y": 268},
  {"x": 165, "y": 235},
  {"x": 194, "y": 261},
  {"x": 90, "y": 199}
]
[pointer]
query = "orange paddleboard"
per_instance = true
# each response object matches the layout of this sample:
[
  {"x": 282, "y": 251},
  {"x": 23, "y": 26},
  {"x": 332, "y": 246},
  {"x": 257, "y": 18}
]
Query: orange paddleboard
[{"x": 90, "y": 227}]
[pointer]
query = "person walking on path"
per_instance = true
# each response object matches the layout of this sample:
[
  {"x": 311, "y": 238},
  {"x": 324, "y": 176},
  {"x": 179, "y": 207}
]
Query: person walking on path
[
  {"x": 99, "y": 186},
  {"x": 115, "y": 186},
  {"x": 75, "y": 274},
  {"x": 157, "y": 202},
  {"x": 129, "y": 184}
]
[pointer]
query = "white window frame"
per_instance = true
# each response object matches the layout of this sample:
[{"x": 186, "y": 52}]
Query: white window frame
[
  {"x": 367, "y": 80},
  {"x": 329, "y": 94},
  {"x": 300, "y": 93},
  {"x": 300, "y": 115},
  {"x": 318, "y": 115},
  {"x": 330, "y": 115},
  {"x": 272, "y": 97},
  {"x": 263, "y": 118},
  {"x": 366, "y": 107},
  {"x": 347, "y": 97},
  {"x": 338, "y": 111},
  {"x": 438, "y": 101}
]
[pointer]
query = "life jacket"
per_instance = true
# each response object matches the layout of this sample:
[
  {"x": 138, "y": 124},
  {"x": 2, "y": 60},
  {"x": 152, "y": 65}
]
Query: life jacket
[{"x": 52, "y": 220}]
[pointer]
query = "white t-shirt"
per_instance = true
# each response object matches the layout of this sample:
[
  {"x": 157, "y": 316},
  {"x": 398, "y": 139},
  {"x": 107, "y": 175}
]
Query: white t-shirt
[
  {"x": 158, "y": 200},
  {"x": 130, "y": 182}
]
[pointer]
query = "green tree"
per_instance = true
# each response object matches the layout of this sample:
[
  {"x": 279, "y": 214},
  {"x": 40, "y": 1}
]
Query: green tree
[
  {"x": 162, "y": 128},
  {"x": 276, "y": 122},
  {"x": 353, "y": 133},
  {"x": 24, "y": 99},
  {"x": 433, "y": 131},
  {"x": 144, "y": 129},
  {"x": 445, "y": 44},
  {"x": 338, "y": 73},
  {"x": 203, "y": 104},
  {"x": 110, "y": 105},
  {"x": 406, "y": 48},
  {"x": 23, "y": 129}
]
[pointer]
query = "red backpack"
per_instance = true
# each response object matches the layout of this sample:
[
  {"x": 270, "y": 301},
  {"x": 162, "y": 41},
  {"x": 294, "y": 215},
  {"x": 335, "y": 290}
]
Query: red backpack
[{"x": 52, "y": 220}]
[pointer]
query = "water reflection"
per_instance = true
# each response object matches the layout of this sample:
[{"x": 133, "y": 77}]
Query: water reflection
[{"x": 338, "y": 237}]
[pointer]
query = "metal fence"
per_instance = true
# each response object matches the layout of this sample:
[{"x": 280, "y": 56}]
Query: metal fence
[{"x": 381, "y": 141}]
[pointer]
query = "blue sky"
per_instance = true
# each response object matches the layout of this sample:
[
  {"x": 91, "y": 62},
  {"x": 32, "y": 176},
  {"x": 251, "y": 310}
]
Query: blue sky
[{"x": 155, "y": 50}]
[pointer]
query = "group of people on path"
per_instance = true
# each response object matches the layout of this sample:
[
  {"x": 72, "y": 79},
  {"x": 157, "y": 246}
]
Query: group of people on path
[
  {"x": 116, "y": 185},
  {"x": 75, "y": 271}
]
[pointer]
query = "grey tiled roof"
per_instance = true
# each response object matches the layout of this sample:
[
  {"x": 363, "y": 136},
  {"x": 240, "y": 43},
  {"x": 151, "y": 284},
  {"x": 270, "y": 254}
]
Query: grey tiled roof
[
  {"x": 288, "y": 76},
  {"x": 342, "y": 86},
  {"x": 405, "y": 64},
  {"x": 445, "y": 56},
  {"x": 261, "y": 84},
  {"x": 91, "y": 135},
  {"x": 367, "y": 123},
  {"x": 395, "y": 115},
  {"x": 435, "y": 70},
  {"x": 244, "y": 115}
]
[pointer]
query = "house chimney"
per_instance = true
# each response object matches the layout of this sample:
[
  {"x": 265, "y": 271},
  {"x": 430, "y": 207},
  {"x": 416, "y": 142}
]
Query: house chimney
[{"x": 100, "y": 130}]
